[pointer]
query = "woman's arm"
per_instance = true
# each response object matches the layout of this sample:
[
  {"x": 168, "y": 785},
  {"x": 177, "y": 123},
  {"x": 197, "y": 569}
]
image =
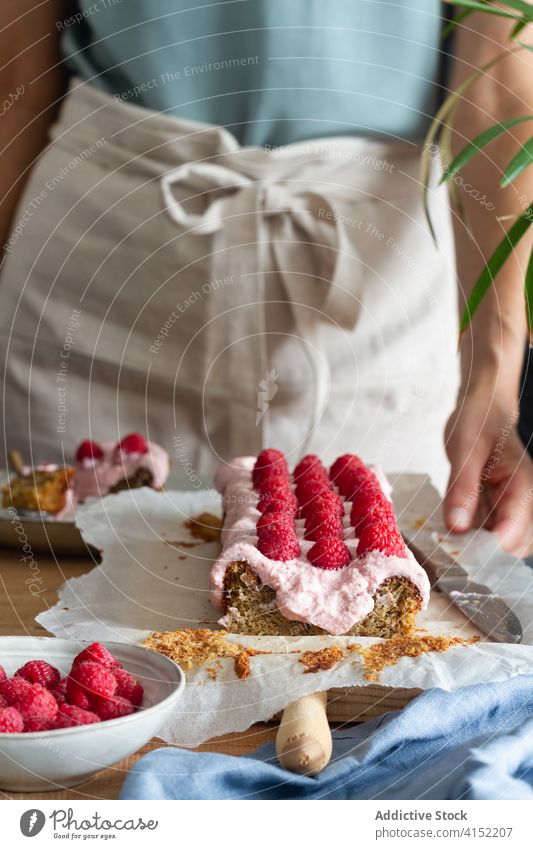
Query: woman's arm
[
  {"x": 482, "y": 443},
  {"x": 31, "y": 85}
]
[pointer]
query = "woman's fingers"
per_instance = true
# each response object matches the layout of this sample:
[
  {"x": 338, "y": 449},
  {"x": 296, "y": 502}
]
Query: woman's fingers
[
  {"x": 491, "y": 478},
  {"x": 468, "y": 457},
  {"x": 512, "y": 518}
]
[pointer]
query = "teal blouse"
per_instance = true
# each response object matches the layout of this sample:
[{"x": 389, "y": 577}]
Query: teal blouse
[{"x": 270, "y": 71}]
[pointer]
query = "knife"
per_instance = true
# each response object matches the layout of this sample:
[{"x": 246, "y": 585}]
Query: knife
[{"x": 477, "y": 602}]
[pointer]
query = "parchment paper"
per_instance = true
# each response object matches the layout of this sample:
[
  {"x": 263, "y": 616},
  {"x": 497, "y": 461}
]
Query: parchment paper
[{"x": 154, "y": 576}]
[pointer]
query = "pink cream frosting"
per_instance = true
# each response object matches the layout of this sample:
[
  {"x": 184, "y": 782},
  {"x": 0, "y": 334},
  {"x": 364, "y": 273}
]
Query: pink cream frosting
[
  {"x": 94, "y": 478},
  {"x": 334, "y": 600}
]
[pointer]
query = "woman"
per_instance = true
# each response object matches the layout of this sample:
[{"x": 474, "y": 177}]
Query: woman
[{"x": 223, "y": 242}]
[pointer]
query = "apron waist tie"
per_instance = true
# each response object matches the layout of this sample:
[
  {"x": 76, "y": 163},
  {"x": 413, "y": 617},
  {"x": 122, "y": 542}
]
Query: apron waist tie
[{"x": 255, "y": 224}]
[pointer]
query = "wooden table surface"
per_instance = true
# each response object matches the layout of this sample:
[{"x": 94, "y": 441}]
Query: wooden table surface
[{"x": 18, "y": 609}]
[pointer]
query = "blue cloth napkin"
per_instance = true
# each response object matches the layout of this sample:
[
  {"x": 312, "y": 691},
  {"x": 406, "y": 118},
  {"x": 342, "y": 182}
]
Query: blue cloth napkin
[{"x": 474, "y": 743}]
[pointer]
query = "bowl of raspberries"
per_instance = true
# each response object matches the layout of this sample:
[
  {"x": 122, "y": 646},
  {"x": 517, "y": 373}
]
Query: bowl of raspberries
[{"x": 69, "y": 709}]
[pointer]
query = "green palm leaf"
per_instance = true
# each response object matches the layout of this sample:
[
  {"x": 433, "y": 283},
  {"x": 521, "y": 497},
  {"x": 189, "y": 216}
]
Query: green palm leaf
[
  {"x": 518, "y": 5},
  {"x": 518, "y": 28},
  {"x": 477, "y": 144},
  {"x": 495, "y": 263},
  {"x": 442, "y": 123},
  {"x": 529, "y": 295},
  {"x": 518, "y": 163},
  {"x": 475, "y": 5},
  {"x": 458, "y": 19}
]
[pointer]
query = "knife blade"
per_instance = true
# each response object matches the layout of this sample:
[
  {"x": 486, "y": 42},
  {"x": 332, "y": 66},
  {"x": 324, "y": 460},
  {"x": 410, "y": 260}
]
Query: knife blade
[{"x": 481, "y": 605}]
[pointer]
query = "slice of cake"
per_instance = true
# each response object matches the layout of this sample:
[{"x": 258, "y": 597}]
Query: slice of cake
[
  {"x": 313, "y": 552},
  {"x": 44, "y": 488},
  {"x": 109, "y": 467}
]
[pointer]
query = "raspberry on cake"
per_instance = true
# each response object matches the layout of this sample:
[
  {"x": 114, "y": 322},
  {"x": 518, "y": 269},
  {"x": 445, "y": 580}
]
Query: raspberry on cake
[
  {"x": 331, "y": 561},
  {"x": 100, "y": 468},
  {"x": 107, "y": 467}
]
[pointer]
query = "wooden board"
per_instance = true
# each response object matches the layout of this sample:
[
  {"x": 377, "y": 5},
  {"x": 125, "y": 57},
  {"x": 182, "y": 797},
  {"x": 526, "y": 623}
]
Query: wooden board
[{"x": 357, "y": 704}]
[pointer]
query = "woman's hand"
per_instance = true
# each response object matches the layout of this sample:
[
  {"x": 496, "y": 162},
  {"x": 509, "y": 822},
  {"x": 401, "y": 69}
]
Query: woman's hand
[{"x": 491, "y": 479}]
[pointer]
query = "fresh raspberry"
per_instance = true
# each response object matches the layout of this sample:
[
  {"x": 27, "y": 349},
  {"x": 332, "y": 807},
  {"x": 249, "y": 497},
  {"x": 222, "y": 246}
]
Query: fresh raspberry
[
  {"x": 381, "y": 536},
  {"x": 269, "y": 457},
  {"x": 92, "y": 679},
  {"x": 11, "y": 722},
  {"x": 307, "y": 490},
  {"x": 277, "y": 492},
  {"x": 310, "y": 464},
  {"x": 351, "y": 480},
  {"x": 329, "y": 553},
  {"x": 367, "y": 496},
  {"x": 89, "y": 450},
  {"x": 273, "y": 477},
  {"x": 309, "y": 479},
  {"x": 60, "y": 692},
  {"x": 283, "y": 502},
  {"x": 279, "y": 545},
  {"x": 323, "y": 523},
  {"x": 3, "y": 702},
  {"x": 327, "y": 501},
  {"x": 3, "y": 675},
  {"x": 307, "y": 462},
  {"x": 61, "y": 689},
  {"x": 113, "y": 708},
  {"x": 347, "y": 461},
  {"x": 37, "y": 723},
  {"x": 315, "y": 471},
  {"x": 97, "y": 653},
  {"x": 14, "y": 689},
  {"x": 40, "y": 672},
  {"x": 128, "y": 687},
  {"x": 69, "y": 716},
  {"x": 380, "y": 510},
  {"x": 37, "y": 705},
  {"x": 133, "y": 443},
  {"x": 269, "y": 463},
  {"x": 271, "y": 521},
  {"x": 77, "y": 698}
]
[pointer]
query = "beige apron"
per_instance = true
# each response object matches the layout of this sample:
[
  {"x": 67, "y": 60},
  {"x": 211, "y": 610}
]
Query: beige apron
[{"x": 161, "y": 278}]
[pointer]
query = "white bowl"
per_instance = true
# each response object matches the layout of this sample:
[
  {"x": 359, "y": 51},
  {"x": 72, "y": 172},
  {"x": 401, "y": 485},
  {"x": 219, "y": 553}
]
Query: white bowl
[{"x": 48, "y": 760}]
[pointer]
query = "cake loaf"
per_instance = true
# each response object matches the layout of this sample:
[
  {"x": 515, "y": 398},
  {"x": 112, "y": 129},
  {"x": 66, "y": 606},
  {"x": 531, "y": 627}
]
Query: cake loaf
[{"x": 313, "y": 552}]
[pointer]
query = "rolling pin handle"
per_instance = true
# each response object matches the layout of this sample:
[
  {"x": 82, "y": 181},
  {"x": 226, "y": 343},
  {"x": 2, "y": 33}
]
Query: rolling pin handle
[{"x": 303, "y": 741}]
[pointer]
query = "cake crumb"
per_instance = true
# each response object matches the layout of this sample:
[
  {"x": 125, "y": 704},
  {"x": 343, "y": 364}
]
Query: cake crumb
[
  {"x": 180, "y": 543},
  {"x": 319, "y": 661},
  {"x": 192, "y": 647},
  {"x": 206, "y": 527},
  {"x": 419, "y": 522},
  {"x": 381, "y": 655},
  {"x": 242, "y": 665},
  {"x": 213, "y": 670}
]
